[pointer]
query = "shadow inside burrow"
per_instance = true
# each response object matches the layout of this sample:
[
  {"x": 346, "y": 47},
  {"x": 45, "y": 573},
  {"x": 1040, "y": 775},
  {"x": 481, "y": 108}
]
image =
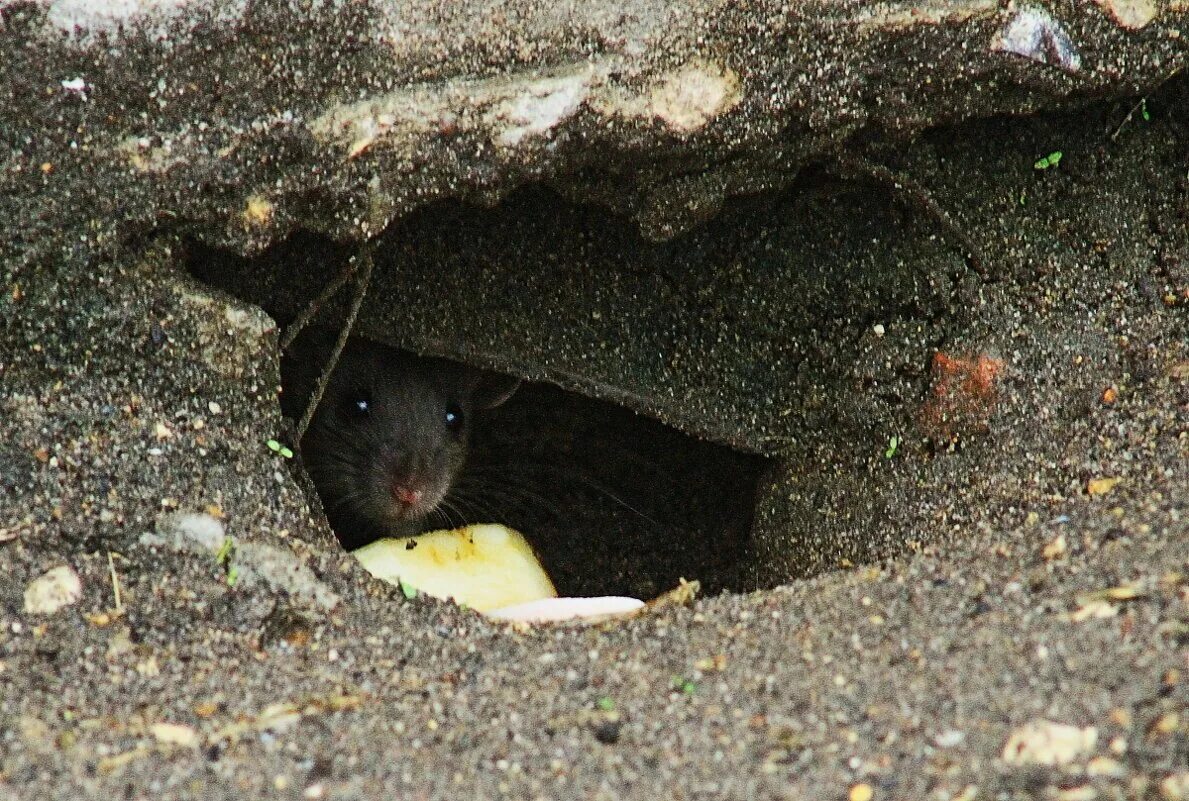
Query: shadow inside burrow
[{"x": 612, "y": 501}]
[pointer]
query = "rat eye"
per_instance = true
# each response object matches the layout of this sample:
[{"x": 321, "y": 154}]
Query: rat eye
[
  {"x": 357, "y": 405},
  {"x": 453, "y": 418}
]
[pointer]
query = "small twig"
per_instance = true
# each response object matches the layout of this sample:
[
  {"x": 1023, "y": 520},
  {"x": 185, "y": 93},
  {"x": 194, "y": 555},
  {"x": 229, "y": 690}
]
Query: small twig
[
  {"x": 929, "y": 206},
  {"x": 1127, "y": 119},
  {"x": 115, "y": 582},
  {"x": 1140, "y": 103},
  {"x": 303, "y": 319},
  {"x": 365, "y": 277}
]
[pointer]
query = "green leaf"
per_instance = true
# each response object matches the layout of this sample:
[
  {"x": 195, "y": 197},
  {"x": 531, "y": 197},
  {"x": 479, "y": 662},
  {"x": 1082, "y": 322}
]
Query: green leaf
[
  {"x": 408, "y": 589},
  {"x": 1051, "y": 160},
  {"x": 232, "y": 575},
  {"x": 277, "y": 447},
  {"x": 224, "y": 552},
  {"x": 1143, "y": 110},
  {"x": 893, "y": 444},
  {"x": 606, "y": 703}
]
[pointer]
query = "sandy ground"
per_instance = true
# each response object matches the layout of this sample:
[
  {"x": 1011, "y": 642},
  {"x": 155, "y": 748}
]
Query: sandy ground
[{"x": 993, "y": 580}]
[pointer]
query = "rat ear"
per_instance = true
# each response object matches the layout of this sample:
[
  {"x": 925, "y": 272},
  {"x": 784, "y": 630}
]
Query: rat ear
[{"x": 492, "y": 389}]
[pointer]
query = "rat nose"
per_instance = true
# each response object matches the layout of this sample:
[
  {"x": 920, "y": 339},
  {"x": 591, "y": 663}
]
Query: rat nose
[{"x": 407, "y": 495}]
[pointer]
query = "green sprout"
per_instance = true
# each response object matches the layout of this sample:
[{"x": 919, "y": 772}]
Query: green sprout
[
  {"x": 893, "y": 444},
  {"x": 683, "y": 685},
  {"x": 1143, "y": 110},
  {"x": 223, "y": 557},
  {"x": 278, "y": 448},
  {"x": 1051, "y": 160},
  {"x": 606, "y": 703},
  {"x": 408, "y": 589}
]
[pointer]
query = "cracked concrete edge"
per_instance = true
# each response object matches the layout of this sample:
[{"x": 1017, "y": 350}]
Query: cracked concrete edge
[{"x": 245, "y": 122}]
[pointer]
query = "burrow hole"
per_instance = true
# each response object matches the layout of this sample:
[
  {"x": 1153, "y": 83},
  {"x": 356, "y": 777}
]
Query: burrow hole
[{"x": 612, "y": 501}]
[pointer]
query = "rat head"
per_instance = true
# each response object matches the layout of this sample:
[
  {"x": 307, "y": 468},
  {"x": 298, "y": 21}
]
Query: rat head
[{"x": 390, "y": 436}]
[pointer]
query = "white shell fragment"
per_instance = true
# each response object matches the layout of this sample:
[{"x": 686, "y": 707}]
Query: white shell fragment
[
  {"x": 188, "y": 531},
  {"x": 1035, "y": 34},
  {"x": 176, "y": 734},
  {"x": 554, "y": 610},
  {"x": 1043, "y": 742},
  {"x": 76, "y": 86},
  {"x": 53, "y": 590}
]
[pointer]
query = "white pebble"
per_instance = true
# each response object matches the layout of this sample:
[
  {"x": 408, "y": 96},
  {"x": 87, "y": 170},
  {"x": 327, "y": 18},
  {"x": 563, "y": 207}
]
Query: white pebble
[
  {"x": 1043, "y": 742},
  {"x": 75, "y": 86},
  {"x": 52, "y": 591},
  {"x": 200, "y": 528},
  {"x": 950, "y": 738}
]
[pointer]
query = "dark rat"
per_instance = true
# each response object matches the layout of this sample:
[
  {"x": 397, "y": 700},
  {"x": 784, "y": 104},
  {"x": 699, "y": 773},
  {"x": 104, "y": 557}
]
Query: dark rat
[{"x": 390, "y": 434}]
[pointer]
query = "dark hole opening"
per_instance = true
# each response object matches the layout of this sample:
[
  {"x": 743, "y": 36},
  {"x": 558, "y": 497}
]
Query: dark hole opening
[
  {"x": 615, "y": 502},
  {"x": 753, "y": 330},
  {"x": 612, "y": 501}
]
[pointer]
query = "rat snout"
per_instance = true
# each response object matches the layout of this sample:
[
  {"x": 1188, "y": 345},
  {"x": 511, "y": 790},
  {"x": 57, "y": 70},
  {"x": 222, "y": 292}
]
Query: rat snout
[
  {"x": 413, "y": 493},
  {"x": 405, "y": 494},
  {"x": 412, "y": 481}
]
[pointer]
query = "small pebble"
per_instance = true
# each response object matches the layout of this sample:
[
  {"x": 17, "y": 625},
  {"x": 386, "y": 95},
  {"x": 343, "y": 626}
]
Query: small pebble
[
  {"x": 1105, "y": 766},
  {"x": 861, "y": 792},
  {"x": 1101, "y": 486},
  {"x": 1166, "y": 724},
  {"x": 202, "y": 530},
  {"x": 175, "y": 734},
  {"x": 1043, "y": 742},
  {"x": 1175, "y": 787},
  {"x": 52, "y": 591},
  {"x": 949, "y": 738},
  {"x": 1055, "y": 549}
]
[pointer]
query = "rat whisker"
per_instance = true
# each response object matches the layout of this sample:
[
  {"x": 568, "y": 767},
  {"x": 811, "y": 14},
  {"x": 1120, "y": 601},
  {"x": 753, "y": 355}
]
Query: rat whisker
[
  {"x": 491, "y": 491},
  {"x": 450, "y": 514},
  {"x": 475, "y": 508},
  {"x": 553, "y": 473}
]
